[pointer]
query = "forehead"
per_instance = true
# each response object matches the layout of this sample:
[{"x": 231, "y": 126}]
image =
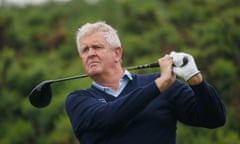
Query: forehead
[{"x": 97, "y": 37}]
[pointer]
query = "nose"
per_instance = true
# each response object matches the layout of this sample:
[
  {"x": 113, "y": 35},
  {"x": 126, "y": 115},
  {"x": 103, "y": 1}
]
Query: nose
[{"x": 91, "y": 52}]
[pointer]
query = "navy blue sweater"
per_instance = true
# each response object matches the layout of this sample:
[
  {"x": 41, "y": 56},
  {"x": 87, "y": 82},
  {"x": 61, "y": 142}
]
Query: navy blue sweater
[{"x": 142, "y": 114}]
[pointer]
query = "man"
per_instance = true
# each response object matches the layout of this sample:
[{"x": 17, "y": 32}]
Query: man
[{"x": 124, "y": 108}]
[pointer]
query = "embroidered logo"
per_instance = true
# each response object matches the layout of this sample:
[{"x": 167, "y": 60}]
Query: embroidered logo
[{"x": 102, "y": 100}]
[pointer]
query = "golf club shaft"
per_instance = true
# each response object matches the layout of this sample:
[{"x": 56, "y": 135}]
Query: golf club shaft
[{"x": 144, "y": 66}]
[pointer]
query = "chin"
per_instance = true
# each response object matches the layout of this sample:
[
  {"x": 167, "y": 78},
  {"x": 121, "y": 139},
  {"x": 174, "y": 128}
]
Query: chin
[{"x": 93, "y": 72}]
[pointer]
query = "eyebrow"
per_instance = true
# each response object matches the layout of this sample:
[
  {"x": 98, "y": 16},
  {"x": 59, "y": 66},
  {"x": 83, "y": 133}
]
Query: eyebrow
[{"x": 83, "y": 47}]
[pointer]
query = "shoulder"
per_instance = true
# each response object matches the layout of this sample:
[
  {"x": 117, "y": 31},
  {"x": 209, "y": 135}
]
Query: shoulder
[
  {"x": 86, "y": 92},
  {"x": 72, "y": 96},
  {"x": 77, "y": 93},
  {"x": 81, "y": 98},
  {"x": 80, "y": 94}
]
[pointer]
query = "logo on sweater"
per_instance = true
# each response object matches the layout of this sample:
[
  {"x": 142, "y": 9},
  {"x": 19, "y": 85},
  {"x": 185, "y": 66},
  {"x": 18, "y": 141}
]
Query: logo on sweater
[{"x": 102, "y": 100}]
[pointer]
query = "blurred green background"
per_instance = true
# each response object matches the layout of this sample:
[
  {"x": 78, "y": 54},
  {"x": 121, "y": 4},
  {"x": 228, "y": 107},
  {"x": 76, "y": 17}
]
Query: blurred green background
[{"x": 38, "y": 43}]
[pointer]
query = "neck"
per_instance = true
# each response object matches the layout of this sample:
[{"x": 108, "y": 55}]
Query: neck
[{"x": 110, "y": 79}]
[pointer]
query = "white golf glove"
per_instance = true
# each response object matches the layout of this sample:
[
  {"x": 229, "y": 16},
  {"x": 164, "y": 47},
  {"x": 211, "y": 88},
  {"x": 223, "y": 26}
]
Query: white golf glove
[{"x": 185, "y": 71}]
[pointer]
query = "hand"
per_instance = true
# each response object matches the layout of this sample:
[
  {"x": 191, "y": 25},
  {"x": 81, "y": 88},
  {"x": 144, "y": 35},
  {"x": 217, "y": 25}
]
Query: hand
[
  {"x": 167, "y": 77},
  {"x": 187, "y": 71}
]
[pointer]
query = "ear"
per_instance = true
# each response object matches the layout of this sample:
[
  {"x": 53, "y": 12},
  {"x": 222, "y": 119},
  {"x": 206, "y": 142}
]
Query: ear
[{"x": 118, "y": 54}]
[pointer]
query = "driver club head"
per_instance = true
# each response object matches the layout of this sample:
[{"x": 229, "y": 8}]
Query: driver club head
[{"x": 41, "y": 95}]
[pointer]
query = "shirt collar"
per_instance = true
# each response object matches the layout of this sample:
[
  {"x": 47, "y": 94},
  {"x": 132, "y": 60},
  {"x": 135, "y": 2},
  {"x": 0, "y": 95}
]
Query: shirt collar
[{"x": 126, "y": 75}]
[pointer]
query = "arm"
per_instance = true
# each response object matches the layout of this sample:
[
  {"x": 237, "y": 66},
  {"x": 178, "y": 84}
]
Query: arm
[
  {"x": 199, "y": 106},
  {"x": 88, "y": 113}
]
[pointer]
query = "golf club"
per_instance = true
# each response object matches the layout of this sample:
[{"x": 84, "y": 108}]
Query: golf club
[{"x": 41, "y": 95}]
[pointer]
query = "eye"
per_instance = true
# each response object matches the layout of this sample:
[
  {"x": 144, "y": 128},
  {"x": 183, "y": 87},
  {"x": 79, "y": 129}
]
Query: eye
[
  {"x": 97, "y": 46},
  {"x": 84, "y": 50}
]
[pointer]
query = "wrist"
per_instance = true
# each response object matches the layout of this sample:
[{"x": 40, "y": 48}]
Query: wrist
[
  {"x": 160, "y": 84},
  {"x": 163, "y": 83},
  {"x": 196, "y": 79}
]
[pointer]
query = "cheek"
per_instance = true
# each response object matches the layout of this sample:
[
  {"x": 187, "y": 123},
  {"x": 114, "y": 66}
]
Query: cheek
[{"x": 83, "y": 61}]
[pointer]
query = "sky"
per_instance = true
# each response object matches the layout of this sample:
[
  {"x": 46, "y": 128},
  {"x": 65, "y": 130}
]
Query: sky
[{"x": 24, "y": 2}]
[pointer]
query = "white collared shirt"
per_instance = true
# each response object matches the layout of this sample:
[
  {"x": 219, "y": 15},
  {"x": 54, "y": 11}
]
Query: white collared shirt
[{"x": 122, "y": 84}]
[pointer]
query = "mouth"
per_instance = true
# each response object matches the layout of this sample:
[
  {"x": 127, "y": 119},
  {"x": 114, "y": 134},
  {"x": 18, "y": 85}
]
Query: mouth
[{"x": 93, "y": 63}]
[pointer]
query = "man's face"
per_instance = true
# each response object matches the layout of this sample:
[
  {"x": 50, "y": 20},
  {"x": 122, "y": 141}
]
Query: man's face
[{"x": 97, "y": 56}]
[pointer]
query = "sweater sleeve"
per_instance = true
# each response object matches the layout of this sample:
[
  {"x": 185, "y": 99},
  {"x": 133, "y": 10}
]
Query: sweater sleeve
[
  {"x": 201, "y": 106},
  {"x": 88, "y": 113}
]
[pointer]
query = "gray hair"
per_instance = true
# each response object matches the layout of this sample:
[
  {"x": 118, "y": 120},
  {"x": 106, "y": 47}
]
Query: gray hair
[{"x": 110, "y": 33}]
